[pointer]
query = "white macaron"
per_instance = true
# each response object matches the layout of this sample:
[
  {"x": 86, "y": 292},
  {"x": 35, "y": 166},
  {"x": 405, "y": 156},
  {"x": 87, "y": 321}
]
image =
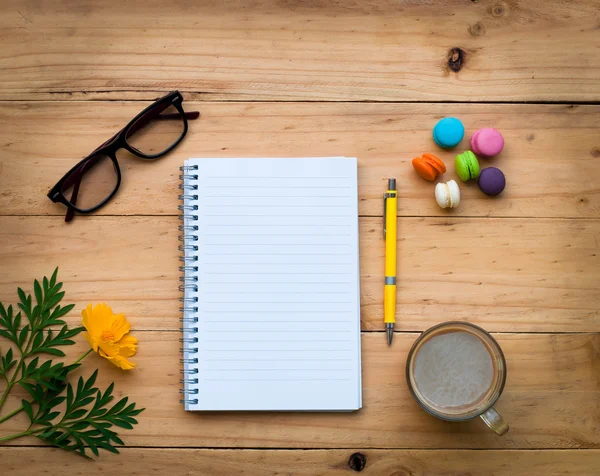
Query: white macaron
[{"x": 447, "y": 194}]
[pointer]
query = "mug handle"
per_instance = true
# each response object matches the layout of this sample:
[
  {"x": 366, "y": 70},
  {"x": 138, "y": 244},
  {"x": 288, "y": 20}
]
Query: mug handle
[{"x": 494, "y": 420}]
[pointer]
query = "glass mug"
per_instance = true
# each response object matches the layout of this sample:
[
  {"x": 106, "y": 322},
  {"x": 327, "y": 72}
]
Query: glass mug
[{"x": 456, "y": 371}]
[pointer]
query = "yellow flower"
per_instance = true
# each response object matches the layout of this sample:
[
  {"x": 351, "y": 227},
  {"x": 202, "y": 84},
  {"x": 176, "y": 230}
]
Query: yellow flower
[{"x": 106, "y": 333}]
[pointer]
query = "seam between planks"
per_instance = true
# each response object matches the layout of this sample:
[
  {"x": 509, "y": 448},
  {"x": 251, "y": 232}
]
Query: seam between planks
[
  {"x": 239, "y": 98},
  {"x": 449, "y": 217},
  {"x": 315, "y": 449}
]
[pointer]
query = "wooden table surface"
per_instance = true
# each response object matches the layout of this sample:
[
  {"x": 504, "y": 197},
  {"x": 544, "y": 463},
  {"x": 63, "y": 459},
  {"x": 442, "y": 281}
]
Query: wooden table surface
[{"x": 363, "y": 78}]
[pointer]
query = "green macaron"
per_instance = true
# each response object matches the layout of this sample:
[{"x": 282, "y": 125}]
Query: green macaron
[{"x": 467, "y": 166}]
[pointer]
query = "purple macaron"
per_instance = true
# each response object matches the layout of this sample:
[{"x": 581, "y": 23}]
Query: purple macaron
[
  {"x": 492, "y": 181},
  {"x": 487, "y": 142}
]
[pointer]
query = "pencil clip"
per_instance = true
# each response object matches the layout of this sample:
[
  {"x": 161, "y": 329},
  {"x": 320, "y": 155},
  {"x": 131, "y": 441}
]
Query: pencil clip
[{"x": 385, "y": 197}]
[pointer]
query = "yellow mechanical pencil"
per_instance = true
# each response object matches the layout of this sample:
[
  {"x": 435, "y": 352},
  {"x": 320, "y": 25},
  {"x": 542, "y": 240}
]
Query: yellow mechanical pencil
[{"x": 390, "y": 204}]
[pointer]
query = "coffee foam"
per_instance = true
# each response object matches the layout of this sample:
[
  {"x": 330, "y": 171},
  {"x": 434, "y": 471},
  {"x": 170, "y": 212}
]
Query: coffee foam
[{"x": 453, "y": 371}]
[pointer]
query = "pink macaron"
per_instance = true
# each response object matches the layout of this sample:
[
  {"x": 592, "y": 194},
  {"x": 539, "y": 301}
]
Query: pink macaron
[{"x": 487, "y": 142}]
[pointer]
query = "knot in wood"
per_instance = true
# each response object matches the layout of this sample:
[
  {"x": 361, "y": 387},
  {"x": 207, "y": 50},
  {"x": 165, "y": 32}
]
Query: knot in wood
[
  {"x": 357, "y": 462},
  {"x": 456, "y": 59},
  {"x": 477, "y": 29},
  {"x": 498, "y": 10}
]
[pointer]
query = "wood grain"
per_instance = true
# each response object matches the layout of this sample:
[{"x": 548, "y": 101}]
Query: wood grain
[
  {"x": 551, "y": 159},
  {"x": 214, "y": 462},
  {"x": 551, "y": 400},
  {"x": 524, "y": 262},
  {"x": 309, "y": 50},
  {"x": 507, "y": 275}
]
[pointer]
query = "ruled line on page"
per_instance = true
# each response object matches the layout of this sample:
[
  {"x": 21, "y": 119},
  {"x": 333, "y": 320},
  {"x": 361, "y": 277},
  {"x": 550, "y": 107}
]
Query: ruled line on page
[
  {"x": 305, "y": 369},
  {"x": 264, "y": 225},
  {"x": 276, "y": 206},
  {"x": 279, "y": 379},
  {"x": 271, "y": 302},
  {"x": 278, "y": 321},
  {"x": 279, "y": 292},
  {"x": 272, "y": 196},
  {"x": 281, "y": 360},
  {"x": 279, "y": 272},
  {"x": 267, "y": 283},
  {"x": 278, "y": 341},
  {"x": 275, "y": 234},
  {"x": 278, "y": 177},
  {"x": 284, "y": 254},
  {"x": 268, "y": 331},
  {"x": 244, "y": 311},
  {"x": 272, "y": 215},
  {"x": 271, "y": 187},
  {"x": 286, "y": 245}
]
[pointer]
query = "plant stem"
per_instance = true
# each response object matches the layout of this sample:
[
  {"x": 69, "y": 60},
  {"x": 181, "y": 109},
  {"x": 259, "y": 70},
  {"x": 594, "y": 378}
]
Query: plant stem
[
  {"x": 13, "y": 381},
  {"x": 83, "y": 356},
  {"x": 5, "y": 394},
  {"x": 9, "y": 384},
  {"x": 18, "y": 435},
  {"x": 11, "y": 414},
  {"x": 20, "y": 409}
]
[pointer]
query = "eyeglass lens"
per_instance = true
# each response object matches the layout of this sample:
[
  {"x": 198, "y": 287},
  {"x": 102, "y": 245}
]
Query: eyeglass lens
[
  {"x": 156, "y": 131},
  {"x": 91, "y": 183}
]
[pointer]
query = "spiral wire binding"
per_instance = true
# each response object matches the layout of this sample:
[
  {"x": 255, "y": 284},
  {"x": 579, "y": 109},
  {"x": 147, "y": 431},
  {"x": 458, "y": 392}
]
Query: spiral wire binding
[{"x": 189, "y": 283}]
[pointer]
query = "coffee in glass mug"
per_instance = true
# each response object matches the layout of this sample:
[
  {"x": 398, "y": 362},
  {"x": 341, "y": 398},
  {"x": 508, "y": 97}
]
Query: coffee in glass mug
[{"x": 456, "y": 371}]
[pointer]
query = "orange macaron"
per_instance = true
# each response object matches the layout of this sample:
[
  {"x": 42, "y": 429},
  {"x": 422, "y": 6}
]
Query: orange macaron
[{"x": 429, "y": 166}]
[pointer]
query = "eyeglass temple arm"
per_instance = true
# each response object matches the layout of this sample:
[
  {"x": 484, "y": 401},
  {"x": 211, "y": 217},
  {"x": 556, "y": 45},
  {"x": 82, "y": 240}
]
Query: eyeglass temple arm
[
  {"x": 156, "y": 114},
  {"x": 145, "y": 120},
  {"x": 73, "y": 200}
]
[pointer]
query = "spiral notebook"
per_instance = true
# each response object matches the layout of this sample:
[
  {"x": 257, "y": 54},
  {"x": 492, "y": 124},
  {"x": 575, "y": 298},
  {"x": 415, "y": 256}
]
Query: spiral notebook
[{"x": 271, "y": 284}]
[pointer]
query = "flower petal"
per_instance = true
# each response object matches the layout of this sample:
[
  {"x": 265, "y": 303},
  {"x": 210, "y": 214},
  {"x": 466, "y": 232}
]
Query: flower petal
[
  {"x": 121, "y": 362},
  {"x": 86, "y": 314},
  {"x": 109, "y": 348},
  {"x": 87, "y": 319},
  {"x": 90, "y": 341},
  {"x": 128, "y": 340},
  {"x": 120, "y": 326},
  {"x": 127, "y": 346},
  {"x": 97, "y": 320},
  {"x": 102, "y": 316}
]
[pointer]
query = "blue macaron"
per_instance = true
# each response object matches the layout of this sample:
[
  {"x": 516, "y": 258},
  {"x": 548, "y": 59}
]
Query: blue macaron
[{"x": 448, "y": 132}]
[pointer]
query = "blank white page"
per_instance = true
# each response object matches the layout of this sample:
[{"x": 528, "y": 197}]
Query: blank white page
[{"x": 278, "y": 285}]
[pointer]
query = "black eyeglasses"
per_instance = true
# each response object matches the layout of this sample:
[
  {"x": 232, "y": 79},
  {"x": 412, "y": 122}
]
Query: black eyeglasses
[{"x": 154, "y": 132}]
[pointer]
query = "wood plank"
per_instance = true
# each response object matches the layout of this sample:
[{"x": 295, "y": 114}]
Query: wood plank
[
  {"x": 550, "y": 160},
  {"x": 319, "y": 50},
  {"x": 506, "y": 282},
  {"x": 551, "y": 400},
  {"x": 508, "y": 275},
  {"x": 212, "y": 462}
]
